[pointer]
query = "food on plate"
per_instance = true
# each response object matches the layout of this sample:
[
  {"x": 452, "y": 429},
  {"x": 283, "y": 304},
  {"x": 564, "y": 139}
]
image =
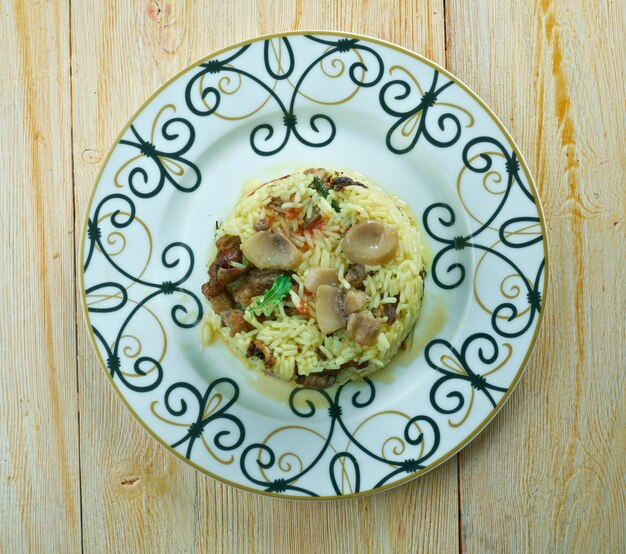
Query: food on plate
[{"x": 316, "y": 277}]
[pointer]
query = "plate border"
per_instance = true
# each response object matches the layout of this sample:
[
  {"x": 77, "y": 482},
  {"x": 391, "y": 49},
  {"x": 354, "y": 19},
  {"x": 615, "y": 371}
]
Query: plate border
[{"x": 481, "y": 426}]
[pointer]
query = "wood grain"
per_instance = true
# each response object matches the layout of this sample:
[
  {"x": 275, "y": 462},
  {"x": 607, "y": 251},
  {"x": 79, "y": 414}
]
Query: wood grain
[
  {"x": 79, "y": 473},
  {"x": 39, "y": 499},
  {"x": 548, "y": 475}
]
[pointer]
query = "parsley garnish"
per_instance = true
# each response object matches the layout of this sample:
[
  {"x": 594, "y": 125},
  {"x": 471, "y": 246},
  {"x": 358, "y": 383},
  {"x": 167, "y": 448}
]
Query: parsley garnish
[
  {"x": 321, "y": 188},
  {"x": 275, "y": 295}
]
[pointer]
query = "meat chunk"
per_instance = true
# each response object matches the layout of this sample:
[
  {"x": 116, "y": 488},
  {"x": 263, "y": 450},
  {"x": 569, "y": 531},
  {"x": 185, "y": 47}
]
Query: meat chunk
[
  {"x": 228, "y": 250},
  {"x": 234, "y": 320},
  {"x": 256, "y": 282},
  {"x": 221, "y": 272},
  {"x": 389, "y": 311},
  {"x": 226, "y": 275},
  {"x": 322, "y": 380},
  {"x": 212, "y": 287},
  {"x": 363, "y": 328},
  {"x": 258, "y": 349},
  {"x": 356, "y": 275},
  {"x": 341, "y": 181},
  {"x": 222, "y": 302},
  {"x": 355, "y": 301},
  {"x": 224, "y": 306}
]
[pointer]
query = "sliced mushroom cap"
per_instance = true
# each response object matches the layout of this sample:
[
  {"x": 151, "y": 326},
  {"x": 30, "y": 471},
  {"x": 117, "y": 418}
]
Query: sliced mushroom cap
[
  {"x": 363, "y": 328},
  {"x": 271, "y": 250},
  {"x": 329, "y": 309},
  {"x": 370, "y": 243},
  {"x": 317, "y": 276},
  {"x": 355, "y": 301}
]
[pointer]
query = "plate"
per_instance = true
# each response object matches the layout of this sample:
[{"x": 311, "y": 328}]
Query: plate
[{"x": 258, "y": 110}]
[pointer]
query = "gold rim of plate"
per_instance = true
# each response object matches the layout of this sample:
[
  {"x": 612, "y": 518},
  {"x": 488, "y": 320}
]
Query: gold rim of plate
[{"x": 541, "y": 215}]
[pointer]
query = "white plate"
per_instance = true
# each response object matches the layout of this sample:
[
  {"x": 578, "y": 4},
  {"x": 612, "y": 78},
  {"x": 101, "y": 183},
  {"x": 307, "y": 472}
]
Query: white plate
[{"x": 261, "y": 109}]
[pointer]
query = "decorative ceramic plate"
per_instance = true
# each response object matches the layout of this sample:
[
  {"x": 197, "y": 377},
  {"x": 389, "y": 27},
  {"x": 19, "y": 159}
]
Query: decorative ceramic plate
[{"x": 259, "y": 110}]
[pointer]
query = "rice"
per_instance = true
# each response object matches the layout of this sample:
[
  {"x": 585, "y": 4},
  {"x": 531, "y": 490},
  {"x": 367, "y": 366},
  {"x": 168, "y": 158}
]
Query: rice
[{"x": 296, "y": 342}]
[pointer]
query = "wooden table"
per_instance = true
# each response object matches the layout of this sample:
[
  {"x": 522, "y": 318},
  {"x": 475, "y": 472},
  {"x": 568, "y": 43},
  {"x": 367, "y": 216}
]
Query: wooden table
[{"x": 78, "y": 473}]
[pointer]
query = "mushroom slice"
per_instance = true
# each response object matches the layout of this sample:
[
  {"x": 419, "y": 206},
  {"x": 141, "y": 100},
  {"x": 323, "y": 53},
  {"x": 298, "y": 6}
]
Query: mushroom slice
[
  {"x": 317, "y": 276},
  {"x": 355, "y": 301},
  {"x": 370, "y": 243},
  {"x": 329, "y": 309},
  {"x": 363, "y": 328},
  {"x": 271, "y": 250}
]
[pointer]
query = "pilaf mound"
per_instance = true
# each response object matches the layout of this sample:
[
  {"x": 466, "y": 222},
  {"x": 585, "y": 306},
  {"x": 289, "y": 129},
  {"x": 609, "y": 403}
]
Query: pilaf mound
[{"x": 316, "y": 277}]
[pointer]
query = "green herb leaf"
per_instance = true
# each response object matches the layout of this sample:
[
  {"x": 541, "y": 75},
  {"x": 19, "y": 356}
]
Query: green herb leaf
[
  {"x": 275, "y": 295},
  {"x": 321, "y": 188}
]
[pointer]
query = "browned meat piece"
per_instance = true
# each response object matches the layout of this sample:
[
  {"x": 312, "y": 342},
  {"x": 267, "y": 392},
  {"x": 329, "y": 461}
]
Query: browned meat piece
[
  {"x": 234, "y": 320},
  {"x": 230, "y": 274},
  {"x": 222, "y": 302},
  {"x": 257, "y": 348},
  {"x": 355, "y": 275},
  {"x": 390, "y": 310},
  {"x": 221, "y": 273},
  {"x": 256, "y": 282},
  {"x": 355, "y": 300},
  {"x": 342, "y": 181},
  {"x": 363, "y": 328},
  {"x": 354, "y": 365},
  {"x": 212, "y": 286},
  {"x": 323, "y": 380},
  {"x": 224, "y": 306}
]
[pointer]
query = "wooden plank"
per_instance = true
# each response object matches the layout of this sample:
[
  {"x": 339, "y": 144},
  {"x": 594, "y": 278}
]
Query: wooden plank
[
  {"x": 548, "y": 474},
  {"x": 170, "y": 507},
  {"x": 39, "y": 464},
  {"x": 137, "y": 497}
]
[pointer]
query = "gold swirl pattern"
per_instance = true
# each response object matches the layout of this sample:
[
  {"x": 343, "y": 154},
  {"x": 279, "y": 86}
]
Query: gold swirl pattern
[
  {"x": 118, "y": 237},
  {"x": 490, "y": 178},
  {"x": 134, "y": 346},
  {"x": 338, "y": 69},
  {"x": 116, "y": 178},
  {"x": 453, "y": 365},
  {"x": 215, "y": 401},
  {"x": 286, "y": 467},
  {"x": 224, "y": 86},
  {"x": 398, "y": 444},
  {"x": 410, "y": 125},
  {"x": 507, "y": 287}
]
